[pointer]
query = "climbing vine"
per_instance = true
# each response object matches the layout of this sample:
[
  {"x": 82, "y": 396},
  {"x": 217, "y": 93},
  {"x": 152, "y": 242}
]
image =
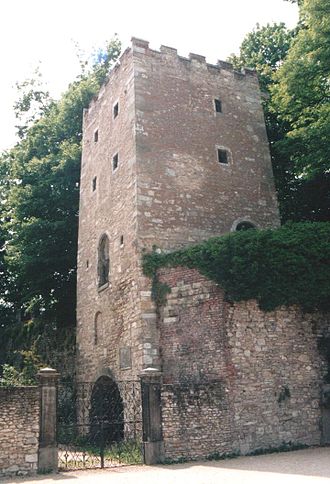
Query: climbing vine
[{"x": 284, "y": 266}]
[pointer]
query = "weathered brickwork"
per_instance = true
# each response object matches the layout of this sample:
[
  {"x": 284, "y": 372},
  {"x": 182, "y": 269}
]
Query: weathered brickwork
[
  {"x": 236, "y": 378},
  {"x": 157, "y": 113},
  {"x": 19, "y": 430}
]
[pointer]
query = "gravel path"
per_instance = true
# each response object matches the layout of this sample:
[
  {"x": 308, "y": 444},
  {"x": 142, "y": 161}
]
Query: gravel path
[{"x": 310, "y": 466}]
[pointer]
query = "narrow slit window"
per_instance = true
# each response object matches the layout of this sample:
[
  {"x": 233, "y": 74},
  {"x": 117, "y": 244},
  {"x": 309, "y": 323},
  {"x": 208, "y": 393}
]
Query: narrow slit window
[
  {"x": 103, "y": 265},
  {"x": 115, "y": 110},
  {"x": 121, "y": 240},
  {"x": 97, "y": 328},
  {"x": 218, "y": 106},
  {"x": 223, "y": 157},
  {"x": 115, "y": 162},
  {"x": 96, "y": 136},
  {"x": 94, "y": 183}
]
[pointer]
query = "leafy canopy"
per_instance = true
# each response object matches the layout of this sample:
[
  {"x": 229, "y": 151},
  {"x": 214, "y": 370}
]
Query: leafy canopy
[
  {"x": 264, "y": 50},
  {"x": 39, "y": 203},
  {"x": 301, "y": 94}
]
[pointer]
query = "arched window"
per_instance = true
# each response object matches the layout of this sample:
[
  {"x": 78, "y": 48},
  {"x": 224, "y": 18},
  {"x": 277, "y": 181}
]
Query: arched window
[
  {"x": 244, "y": 226},
  {"x": 103, "y": 264}
]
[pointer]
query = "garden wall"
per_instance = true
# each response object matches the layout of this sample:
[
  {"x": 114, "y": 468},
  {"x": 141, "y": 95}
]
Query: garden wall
[
  {"x": 236, "y": 379},
  {"x": 19, "y": 430}
]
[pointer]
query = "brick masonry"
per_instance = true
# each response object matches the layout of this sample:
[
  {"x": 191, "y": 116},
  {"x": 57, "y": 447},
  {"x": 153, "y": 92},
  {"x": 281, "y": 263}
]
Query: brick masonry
[
  {"x": 168, "y": 189},
  {"x": 236, "y": 378},
  {"x": 19, "y": 430}
]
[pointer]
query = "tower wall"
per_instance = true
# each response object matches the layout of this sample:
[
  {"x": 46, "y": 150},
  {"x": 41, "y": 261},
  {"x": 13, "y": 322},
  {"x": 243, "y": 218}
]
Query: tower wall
[
  {"x": 107, "y": 316},
  {"x": 169, "y": 189},
  {"x": 184, "y": 194}
]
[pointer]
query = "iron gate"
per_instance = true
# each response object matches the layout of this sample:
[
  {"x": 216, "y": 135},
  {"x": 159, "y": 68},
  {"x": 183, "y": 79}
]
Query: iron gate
[{"x": 99, "y": 424}]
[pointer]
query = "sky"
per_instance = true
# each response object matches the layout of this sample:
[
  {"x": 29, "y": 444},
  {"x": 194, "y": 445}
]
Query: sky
[{"x": 47, "y": 33}]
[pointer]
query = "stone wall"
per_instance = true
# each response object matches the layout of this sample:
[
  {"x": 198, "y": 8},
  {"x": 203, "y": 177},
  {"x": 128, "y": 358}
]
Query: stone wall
[
  {"x": 236, "y": 378},
  {"x": 19, "y": 430}
]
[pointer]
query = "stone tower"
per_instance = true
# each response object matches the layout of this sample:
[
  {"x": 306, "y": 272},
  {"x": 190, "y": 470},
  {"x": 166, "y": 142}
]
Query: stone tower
[{"x": 174, "y": 152}]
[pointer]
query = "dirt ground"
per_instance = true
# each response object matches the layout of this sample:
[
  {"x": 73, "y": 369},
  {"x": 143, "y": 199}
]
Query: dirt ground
[{"x": 310, "y": 466}]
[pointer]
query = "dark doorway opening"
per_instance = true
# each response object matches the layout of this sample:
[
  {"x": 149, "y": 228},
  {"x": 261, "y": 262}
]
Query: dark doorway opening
[{"x": 106, "y": 413}]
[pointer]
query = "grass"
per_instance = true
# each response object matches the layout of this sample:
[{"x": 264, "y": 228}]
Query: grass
[{"x": 86, "y": 455}]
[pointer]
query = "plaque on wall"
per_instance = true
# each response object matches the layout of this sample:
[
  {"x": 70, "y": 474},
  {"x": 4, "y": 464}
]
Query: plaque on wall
[{"x": 125, "y": 360}]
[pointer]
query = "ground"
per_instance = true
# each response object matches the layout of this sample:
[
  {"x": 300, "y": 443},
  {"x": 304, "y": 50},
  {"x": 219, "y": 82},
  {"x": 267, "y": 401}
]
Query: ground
[{"x": 298, "y": 467}]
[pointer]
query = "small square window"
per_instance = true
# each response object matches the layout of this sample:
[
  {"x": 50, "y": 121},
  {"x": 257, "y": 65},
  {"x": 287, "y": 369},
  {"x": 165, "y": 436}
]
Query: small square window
[
  {"x": 223, "y": 156},
  {"x": 96, "y": 136},
  {"x": 115, "y": 162},
  {"x": 94, "y": 184},
  {"x": 218, "y": 106},
  {"x": 115, "y": 110}
]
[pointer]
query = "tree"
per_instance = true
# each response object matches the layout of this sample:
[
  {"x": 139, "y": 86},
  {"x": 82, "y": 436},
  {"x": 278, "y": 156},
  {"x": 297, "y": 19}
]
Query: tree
[
  {"x": 301, "y": 97},
  {"x": 34, "y": 101},
  {"x": 40, "y": 211},
  {"x": 264, "y": 50}
]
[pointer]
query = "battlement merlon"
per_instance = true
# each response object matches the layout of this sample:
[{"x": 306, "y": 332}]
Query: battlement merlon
[{"x": 140, "y": 46}]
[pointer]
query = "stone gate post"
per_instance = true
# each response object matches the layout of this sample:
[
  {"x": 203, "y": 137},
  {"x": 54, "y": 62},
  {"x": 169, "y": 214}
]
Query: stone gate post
[
  {"x": 47, "y": 461},
  {"x": 153, "y": 446}
]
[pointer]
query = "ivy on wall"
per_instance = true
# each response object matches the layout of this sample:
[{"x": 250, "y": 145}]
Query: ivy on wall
[{"x": 284, "y": 266}]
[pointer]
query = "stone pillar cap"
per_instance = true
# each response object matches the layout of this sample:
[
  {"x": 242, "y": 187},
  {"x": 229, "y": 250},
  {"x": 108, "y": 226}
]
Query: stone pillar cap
[
  {"x": 47, "y": 370},
  {"x": 48, "y": 374},
  {"x": 151, "y": 372}
]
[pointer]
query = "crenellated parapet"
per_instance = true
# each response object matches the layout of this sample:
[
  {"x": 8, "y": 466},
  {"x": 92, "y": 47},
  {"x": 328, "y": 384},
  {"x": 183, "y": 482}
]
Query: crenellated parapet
[{"x": 140, "y": 46}]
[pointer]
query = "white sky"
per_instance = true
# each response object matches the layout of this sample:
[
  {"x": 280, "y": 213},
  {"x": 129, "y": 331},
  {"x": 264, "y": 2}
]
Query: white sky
[{"x": 47, "y": 31}]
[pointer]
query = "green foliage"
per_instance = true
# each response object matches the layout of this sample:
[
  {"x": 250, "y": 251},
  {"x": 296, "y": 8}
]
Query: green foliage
[
  {"x": 159, "y": 291},
  {"x": 302, "y": 92},
  {"x": 264, "y": 49},
  {"x": 223, "y": 456},
  {"x": 39, "y": 203},
  {"x": 26, "y": 374},
  {"x": 285, "y": 266},
  {"x": 34, "y": 101},
  {"x": 284, "y": 447},
  {"x": 293, "y": 69}
]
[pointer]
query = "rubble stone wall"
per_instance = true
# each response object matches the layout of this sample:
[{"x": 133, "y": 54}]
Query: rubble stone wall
[
  {"x": 19, "y": 430},
  {"x": 236, "y": 378}
]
